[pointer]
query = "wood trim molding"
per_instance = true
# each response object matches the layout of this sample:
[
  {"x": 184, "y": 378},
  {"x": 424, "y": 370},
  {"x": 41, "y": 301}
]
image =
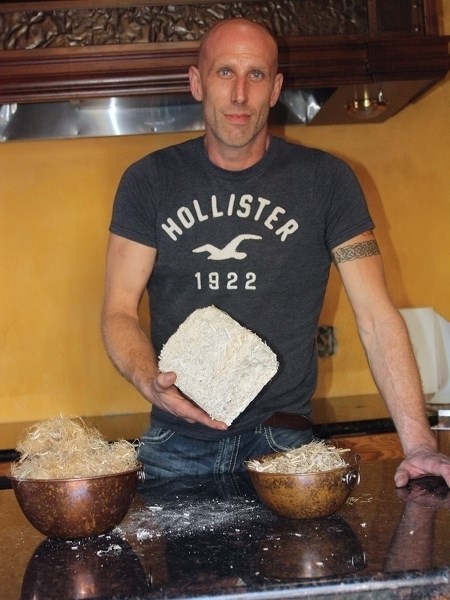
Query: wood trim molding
[{"x": 65, "y": 73}]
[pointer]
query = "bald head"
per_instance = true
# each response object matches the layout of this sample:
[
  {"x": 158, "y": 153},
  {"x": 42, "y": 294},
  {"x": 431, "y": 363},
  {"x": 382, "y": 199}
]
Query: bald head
[{"x": 234, "y": 32}]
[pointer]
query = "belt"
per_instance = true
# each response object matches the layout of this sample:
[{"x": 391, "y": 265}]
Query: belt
[{"x": 286, "y": 420}]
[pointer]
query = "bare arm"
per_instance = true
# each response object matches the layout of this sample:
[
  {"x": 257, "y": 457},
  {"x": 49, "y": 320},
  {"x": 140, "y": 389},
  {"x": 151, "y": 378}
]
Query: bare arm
[
  {"x": 128, "y": 268},
  {"x": 391, "y": 359}
]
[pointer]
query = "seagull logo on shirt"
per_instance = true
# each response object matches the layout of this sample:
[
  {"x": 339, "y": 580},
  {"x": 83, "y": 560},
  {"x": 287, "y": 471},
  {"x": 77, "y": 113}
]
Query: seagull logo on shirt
[{"x": 228, "y": 251}]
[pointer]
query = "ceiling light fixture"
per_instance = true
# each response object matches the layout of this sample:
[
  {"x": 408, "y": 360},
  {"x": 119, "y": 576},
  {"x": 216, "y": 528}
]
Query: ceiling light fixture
[{"x": 367, "y": 107}]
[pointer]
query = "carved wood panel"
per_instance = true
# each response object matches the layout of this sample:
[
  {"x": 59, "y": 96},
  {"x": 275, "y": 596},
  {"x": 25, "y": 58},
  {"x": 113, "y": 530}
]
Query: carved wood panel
[{"x": 58, "y": 24}]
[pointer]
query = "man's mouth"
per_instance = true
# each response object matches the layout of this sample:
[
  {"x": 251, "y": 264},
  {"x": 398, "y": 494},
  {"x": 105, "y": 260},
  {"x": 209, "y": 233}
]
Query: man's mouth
[{"x": 237, "y": 118}]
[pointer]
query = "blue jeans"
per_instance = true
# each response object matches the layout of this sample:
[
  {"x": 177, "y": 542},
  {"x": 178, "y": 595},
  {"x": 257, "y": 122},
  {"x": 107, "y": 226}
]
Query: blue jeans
[{"x": 165, "y": 453}]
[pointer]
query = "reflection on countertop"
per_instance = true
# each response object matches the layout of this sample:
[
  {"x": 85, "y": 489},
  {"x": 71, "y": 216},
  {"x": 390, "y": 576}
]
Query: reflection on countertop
[{"x": 212, "y": 538}]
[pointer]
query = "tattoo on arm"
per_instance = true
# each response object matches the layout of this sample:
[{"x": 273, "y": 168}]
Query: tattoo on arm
[{"x": 354, "y": 251}]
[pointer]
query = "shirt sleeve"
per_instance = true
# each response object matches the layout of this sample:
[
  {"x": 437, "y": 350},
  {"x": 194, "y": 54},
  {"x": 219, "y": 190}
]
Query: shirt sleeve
[
  {"x": 343, "y": 205},
  {"x": 135, "y": 204}
]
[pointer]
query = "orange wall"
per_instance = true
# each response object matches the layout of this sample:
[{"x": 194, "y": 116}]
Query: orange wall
[
  {"x": 55, "y": 202},
  {"x": 403, "y": 168}
]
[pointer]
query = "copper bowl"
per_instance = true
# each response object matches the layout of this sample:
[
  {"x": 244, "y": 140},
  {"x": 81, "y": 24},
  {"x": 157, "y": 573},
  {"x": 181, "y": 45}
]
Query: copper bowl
[
  {"x": 76, "y": 508},
  {"x": 306, "y": 495}
]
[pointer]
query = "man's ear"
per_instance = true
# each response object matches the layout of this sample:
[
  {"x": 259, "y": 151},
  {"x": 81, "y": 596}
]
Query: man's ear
[
  {"x": 195, "y": 83},
  {"x": 276, "y": 90}
]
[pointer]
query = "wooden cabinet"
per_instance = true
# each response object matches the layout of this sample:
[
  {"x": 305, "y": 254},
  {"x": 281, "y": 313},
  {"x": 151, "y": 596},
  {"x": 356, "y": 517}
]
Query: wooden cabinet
[{"x": 372, "y": 446}]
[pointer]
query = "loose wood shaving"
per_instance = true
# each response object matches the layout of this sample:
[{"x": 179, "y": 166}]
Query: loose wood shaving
[
  {"x": 315, "y": 457},
  {"x": 364, "y": 499},
  {"x": 64, "y": 448}
]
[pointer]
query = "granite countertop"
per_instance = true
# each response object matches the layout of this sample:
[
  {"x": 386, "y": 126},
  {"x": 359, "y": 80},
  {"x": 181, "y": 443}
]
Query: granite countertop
[
  {"x": 340, "y": 415},
  {"x": 213, "y": 538}
]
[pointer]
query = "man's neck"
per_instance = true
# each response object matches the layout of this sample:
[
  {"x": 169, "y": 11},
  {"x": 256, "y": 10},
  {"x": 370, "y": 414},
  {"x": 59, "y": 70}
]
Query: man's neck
[{"x": 236, "y": 159}]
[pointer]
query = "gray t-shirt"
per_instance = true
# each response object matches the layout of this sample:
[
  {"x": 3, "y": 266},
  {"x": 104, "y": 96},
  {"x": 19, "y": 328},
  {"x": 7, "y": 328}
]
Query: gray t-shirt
[{"x": 255, "y": 243}]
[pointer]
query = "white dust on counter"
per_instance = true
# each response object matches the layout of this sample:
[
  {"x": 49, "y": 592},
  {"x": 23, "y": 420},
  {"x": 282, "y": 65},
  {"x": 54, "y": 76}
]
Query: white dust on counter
[{"x": 177, "y": 518}]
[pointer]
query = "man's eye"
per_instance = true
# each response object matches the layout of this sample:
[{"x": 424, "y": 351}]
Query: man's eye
[
  {"x": 257, "y": 75},
  {"x": 224, "y": 72}
]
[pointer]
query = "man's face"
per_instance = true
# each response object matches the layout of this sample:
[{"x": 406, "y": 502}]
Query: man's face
[{"x": 237, "y": 82}]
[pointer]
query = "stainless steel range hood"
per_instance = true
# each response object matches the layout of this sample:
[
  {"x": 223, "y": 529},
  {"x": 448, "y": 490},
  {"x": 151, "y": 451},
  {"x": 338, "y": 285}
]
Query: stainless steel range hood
[
  {"x": 177, "y": 112},
  {"x": 134, "y": 115}
]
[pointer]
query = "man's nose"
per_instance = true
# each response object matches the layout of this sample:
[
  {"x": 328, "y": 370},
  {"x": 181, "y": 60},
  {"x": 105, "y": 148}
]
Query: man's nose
[{"x": 240, "y": 90}]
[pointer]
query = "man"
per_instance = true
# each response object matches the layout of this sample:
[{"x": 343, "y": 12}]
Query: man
[{"x": 293, "y": 210}]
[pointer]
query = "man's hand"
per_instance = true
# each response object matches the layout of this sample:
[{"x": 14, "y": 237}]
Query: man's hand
[
  {"x": 163, "y": 393},
  {"x": 423, "y": 461}
]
